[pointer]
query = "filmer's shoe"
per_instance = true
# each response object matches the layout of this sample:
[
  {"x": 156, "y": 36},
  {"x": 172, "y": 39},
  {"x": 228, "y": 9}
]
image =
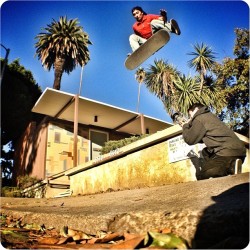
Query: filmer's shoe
[{"x": 175, "y": 27}]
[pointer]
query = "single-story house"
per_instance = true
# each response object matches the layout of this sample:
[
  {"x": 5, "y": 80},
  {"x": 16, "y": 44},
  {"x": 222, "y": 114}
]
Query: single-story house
[{"x": 73, "y": 131}]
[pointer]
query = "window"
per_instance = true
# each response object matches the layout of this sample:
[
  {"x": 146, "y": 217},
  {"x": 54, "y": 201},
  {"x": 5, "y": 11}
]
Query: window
[
  {"x": 64, "y": 164},
  {"x": 98, "y": 139},
  {"x": 57, "y": 137}
]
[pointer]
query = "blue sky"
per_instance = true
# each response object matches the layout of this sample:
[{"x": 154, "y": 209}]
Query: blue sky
[{"x": 109, "y": 24}]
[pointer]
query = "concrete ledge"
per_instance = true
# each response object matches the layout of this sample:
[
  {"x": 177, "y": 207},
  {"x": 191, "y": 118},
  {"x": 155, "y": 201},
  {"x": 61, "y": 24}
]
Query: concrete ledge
[{"x": 206, "y": 213}]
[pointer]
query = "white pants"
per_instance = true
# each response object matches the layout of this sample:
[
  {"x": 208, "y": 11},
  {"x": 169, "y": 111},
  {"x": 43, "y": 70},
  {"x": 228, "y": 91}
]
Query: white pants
[{"x": 136, "y": 41}]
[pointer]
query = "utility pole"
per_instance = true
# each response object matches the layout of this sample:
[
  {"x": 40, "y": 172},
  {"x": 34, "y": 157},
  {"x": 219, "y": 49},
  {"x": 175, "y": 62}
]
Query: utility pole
[
  {"x": 76, "y": 114},
  {"x": 4, "y": 63},
  {"x": 76, "y": 120}
]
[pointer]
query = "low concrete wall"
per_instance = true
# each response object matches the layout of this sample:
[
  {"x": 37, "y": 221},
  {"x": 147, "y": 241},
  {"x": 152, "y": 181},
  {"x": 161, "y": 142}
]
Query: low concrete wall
[
  {"x": 144, "y": 163},
  {"x": 145, "y": 168}
]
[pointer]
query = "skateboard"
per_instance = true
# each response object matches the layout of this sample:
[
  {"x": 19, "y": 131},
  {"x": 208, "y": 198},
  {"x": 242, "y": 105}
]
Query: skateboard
[{"x": 153, "y": 44}]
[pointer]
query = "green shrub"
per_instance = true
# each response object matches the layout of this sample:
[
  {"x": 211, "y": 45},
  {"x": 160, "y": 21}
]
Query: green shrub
[
  {"x": 24, "y": 181},
  {"x": 10, "y": 192},
  {"x": 113, "y": 145}
]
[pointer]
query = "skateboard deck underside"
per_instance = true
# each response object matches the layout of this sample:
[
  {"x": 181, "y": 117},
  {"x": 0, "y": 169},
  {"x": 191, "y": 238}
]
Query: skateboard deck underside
[{"x": 154, "y": 43}]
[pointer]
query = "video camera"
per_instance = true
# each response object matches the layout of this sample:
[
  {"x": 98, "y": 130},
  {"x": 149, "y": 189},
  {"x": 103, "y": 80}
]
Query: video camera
[{"x": 179, "y": 118}]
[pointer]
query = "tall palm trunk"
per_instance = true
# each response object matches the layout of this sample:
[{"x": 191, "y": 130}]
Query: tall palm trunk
[
  {"x": 138, "y": 97},
  {"x": 59, "y": 65},
  {"x": 202, "y": 83},
  {"x": 139, "y": 76}
]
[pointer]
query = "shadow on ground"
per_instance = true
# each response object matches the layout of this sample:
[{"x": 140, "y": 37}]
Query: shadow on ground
[{"x": 225, "y": 225}]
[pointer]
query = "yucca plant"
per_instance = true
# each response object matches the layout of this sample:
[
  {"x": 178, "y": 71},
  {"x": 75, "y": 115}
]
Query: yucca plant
[{"x": 203, "y": 60}]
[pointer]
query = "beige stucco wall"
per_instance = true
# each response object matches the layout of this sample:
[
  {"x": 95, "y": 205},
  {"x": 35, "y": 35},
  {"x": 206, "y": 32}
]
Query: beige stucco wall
[
  {"x": 59, "y": 153},
  {"x": 144, "y": 167}
]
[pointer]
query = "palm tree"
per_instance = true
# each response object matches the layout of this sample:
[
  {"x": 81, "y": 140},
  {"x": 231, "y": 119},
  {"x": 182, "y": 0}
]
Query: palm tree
[
  {"x": 139, "y": 76},
  {"x": 63, "y": 45},
  {"x": 203, "y": 61},
  {"x": 177, "y": 91},
  {"x": 187, "y": 93},
  {"x": 160, "y": 79}
]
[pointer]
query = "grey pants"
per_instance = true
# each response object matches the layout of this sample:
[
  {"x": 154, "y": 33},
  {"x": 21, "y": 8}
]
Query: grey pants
[{"x": 135, "y": 40}]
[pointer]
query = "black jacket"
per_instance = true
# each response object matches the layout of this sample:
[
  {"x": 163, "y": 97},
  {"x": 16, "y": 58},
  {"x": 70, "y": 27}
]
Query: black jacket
[{"x": 206, "y": 128}]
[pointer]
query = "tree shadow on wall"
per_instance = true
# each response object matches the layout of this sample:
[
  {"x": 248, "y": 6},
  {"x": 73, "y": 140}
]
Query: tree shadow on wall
[
  {"x": 34, "y": 143},
  {"x": 225, "y": 224},
  {"x": 26, "y": 151}
]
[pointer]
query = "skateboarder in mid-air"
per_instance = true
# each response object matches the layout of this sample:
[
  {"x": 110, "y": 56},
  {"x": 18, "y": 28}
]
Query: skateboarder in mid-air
[
  {"x": 147, "y": 24},
  {"x": 151, "y": 33}
]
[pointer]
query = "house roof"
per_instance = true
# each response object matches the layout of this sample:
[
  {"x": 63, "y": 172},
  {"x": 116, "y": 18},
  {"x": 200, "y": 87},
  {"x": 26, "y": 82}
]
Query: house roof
[{"x": 61, "y": 105}]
